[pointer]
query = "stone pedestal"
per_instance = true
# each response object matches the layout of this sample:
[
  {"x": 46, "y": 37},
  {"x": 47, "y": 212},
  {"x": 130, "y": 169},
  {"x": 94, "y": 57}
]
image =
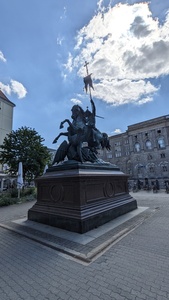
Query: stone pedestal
[{"x": 79, "y": 197}]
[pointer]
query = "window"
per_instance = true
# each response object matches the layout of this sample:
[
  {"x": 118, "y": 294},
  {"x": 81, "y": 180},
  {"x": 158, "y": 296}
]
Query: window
[
  {"x": 139, "y": 170},
  {"x": 117, "y": 149},
  {"x": 109, "y": 155},
  {"x": 137, "y": 147},
  {"x": 127, "y": 150},
  {"x": 149, "y": 156},
  {"x": 162, "y": 155},
  {"x": 161, "y": 142},
  {"x": 117, "y": 154},
  {"x": 148, "y": 145},
  {"x": 164, "y": 168},
  {"x": 151, "y": 169}
]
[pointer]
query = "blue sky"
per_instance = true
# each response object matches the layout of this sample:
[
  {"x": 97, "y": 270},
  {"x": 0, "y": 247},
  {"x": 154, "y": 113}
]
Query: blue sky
[{"x": 43, "y": 48}]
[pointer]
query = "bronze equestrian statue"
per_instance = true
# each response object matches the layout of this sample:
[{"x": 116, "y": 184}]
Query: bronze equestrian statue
[{"x": 81, "y": 130}]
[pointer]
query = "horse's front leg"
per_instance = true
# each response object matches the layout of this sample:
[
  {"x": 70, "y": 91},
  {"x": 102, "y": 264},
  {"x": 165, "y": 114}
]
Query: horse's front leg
[
  {"x": 66, "y": 120},
  {"x": 60, "y": 134},
  {"x": 61, "y": 124},
  {"x": 56, "y": 138}
]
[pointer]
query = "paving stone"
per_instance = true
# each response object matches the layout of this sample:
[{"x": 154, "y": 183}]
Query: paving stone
[{"x": 134, "y": 268}]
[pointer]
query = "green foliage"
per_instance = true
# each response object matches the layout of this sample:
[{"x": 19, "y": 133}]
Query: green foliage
[
  {"x": 5, "y": 199},
  {"x": 25, "y": 145},
  {"x": 29, "y": 191},
  {"x": 11, "y": 197},
  {"x": 13, "y": 193}
]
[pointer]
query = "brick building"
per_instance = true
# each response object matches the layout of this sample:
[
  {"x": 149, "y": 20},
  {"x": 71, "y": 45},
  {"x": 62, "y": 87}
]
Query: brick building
[{"x": 142, "y": 151}]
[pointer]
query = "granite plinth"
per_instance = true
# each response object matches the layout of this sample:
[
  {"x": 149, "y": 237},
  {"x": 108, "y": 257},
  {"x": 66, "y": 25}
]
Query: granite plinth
[{"x": 79, "y": 197}]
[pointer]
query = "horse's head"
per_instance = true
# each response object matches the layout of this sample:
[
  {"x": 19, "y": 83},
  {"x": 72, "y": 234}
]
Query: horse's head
[{"x": 77, "y": 111}]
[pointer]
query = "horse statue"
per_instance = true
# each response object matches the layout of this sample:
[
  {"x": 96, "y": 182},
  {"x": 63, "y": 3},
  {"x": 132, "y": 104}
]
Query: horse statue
[{"x": 81, "y": 129}]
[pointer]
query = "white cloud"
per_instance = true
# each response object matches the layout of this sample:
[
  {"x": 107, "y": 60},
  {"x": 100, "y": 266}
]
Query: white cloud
[
  {"x": 60, "y": 40},
  {"x": 64, "y": 76},
  {"x": 125, "y": 49},
  {"x": 76, "y": 101},
  {"x": 63, "y": 16},
  {"x": 5, "y": 88},
  {"x": 2, "y": 57},
  {"x": 14, "y": 87},
  {"x": 18, "y": 89},
  {"x": 68, "y": 65},
  {"x": 118, "y": 92},
  {"x": 145, "y": 100},
  {"x": 117, "y": 131}
]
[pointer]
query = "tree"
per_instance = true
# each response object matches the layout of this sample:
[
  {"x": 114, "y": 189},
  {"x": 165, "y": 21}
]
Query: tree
[{"x": 25, "y": 145}]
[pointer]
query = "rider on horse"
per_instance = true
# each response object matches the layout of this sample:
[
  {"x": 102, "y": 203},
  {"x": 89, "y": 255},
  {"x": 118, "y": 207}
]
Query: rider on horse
[
  {"x": 81, "y": 129},
  {"x": 91, "y": 120}
]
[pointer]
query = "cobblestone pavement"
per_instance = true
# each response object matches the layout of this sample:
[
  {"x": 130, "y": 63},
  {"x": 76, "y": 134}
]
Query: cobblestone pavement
[{"x": 136, "y": 267}]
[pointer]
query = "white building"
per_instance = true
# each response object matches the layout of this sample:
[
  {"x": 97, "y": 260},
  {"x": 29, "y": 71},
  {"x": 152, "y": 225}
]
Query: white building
[
  {"x": 6, "y": 116},
  {"x": 6, "y": 121}
]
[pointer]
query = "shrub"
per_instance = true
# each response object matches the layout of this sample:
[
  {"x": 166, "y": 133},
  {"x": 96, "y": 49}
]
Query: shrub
[
  {"x": 5, "y": 199},
  {"x": 28, "y": 191},
  {"x": 13, "y": 193},
  {"x": 11, "y": 196}
]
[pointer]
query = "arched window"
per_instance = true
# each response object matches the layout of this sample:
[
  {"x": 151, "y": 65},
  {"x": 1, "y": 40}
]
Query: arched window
[
  {"x": 151, "y": 167},
  {"x": 161, "y": 142},
  {"x": 164, "y": 166},
  {"x": 137, "y": 147},
  {"x": 149, "y": 156},
  {"x": 148, "y": 145}
]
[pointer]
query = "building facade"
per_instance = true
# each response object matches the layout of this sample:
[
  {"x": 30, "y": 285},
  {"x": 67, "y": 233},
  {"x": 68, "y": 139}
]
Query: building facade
[
  {"x": 6, "y": 116},
  {"x": 142, "y": 151},
  {"x": 6, "y": 121}
]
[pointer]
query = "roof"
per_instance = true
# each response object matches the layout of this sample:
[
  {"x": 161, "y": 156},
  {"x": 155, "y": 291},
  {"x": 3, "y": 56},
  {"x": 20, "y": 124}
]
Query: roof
[
  {"x": 143, "y": 125},
  {"x": 150, "y": 122},
  {"x": 2, "y": 96}
]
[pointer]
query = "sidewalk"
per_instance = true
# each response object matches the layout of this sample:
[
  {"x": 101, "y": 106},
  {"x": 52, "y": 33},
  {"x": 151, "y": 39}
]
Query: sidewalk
[{"x": 127, "y": 258}]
